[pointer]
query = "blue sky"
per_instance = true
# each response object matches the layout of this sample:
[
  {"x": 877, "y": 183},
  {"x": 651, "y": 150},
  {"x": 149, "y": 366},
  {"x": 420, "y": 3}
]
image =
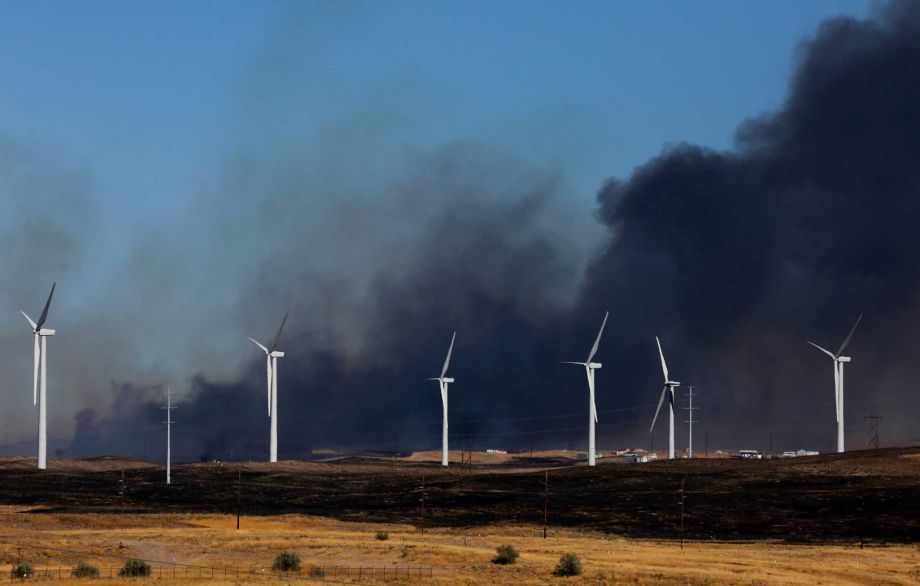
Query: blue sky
[{"x": 151, "y": 96}]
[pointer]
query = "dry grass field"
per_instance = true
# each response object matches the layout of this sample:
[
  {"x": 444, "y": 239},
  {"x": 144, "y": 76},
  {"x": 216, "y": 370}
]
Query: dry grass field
[
  {"x": 454, "y": 556},
  {"x": 798, "y": 521}
]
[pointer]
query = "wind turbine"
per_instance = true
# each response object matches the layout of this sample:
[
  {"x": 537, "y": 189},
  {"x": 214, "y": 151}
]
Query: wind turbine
[
  {"x": 590, "y": 367},
  {"x": 443, "y": 381},
  {"x": 271, "y": 370},
  {"x": 669, "y": 386},
  {"x": 839, "y": 361},
  {"x": 39, "y": 389}
]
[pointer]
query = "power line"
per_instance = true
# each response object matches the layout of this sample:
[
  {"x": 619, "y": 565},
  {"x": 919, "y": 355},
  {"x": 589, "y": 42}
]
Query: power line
[{"x": 690, "y": 420}]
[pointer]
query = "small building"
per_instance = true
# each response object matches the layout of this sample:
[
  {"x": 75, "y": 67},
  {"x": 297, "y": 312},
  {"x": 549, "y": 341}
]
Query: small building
[{"x": 748, "y": 455}]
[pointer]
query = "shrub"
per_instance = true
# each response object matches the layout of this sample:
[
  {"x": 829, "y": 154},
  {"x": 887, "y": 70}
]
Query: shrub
[
  {"x": 135, "y": 569},
  {"x": 287, "y": 561},
  {"x": 505, "y": 554},
  {"x": 22, "y": 570},
  {"x": 382, "y": 536},
  {"x": 85, "y": 570},
  {"x": 569, "y": 565},
  {"x": 317, "y": 572}
]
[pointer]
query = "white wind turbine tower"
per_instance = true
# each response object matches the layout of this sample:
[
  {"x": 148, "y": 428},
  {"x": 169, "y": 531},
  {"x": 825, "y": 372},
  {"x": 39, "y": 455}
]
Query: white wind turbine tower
[
  {"x": 271, "y": 366},
  {"x": 39, "y": 386},
  {"x": 839, "y": 361},
  {"x": 443, "y": 381},
  {"x": 669, "y": 386},
  {"x": 590, "y": 367}
]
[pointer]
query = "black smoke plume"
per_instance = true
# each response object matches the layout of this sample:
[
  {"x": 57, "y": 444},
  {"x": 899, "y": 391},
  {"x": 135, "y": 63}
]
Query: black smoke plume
[{"x": 733, "y": 258}]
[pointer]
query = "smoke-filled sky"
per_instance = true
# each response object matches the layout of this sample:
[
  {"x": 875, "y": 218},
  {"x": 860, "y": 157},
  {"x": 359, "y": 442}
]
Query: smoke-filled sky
[{"x": 733, "y": 177}]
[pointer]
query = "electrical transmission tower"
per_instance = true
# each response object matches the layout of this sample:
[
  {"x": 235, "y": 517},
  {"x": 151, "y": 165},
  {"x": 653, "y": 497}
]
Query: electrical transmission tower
[
  {"x": 690, "y": 409},
  {"x": 872, "y": 431},
  {"x": 168, "y": 423}
]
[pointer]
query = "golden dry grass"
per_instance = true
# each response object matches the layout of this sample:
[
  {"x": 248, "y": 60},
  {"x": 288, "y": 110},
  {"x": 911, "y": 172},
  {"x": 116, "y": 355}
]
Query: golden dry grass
[{"x": 456, "y": 556}]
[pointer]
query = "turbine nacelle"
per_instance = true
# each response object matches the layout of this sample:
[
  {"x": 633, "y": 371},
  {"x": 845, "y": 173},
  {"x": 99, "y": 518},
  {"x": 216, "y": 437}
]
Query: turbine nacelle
[
  {"x": 594, "y": 365},
  {"x": 672, "y": 383},
  {"x": 47, "y": 332},
  {"x": 843, "y": 359},
  {"x": 447, "y": 380},
  {"x": 276, "y": 354}
]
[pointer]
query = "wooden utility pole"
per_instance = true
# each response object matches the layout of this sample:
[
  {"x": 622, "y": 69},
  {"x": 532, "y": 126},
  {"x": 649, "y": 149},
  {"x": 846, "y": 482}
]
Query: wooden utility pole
[
  {"x": 681, "y": 513},
  {"x": 121, "y": 490},
  {"x": 545, "y": 500},
  {"x": 423, "y": 503},
  {"x": 239, "y": 490}
]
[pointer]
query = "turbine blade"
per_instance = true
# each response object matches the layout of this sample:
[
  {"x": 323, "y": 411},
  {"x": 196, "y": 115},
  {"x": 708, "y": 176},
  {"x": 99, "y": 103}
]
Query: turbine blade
[
  {"x": 264, "y": 349},
  {"x": 828, "y": 352},
  {"x": 664, "y": 367},
  {"x": 594, "y": 410},
  {"x": 578, "y": 363},
  {"x": 44, "y": 316},
  {"x": 598, "y": 340},
  {"x": 280, "y": 329},
  {"x": 29, "y": 319},
  {"x": 449, "y": 350},
  {"x": 850, "y": 335},
  {"x": 660, "y": 402},
  {"x": 37, "y": 355},
  {"x": 836, "y": 391}
]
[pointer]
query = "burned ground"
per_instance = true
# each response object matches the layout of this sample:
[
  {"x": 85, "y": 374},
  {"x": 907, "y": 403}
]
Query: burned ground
[{"x": 868, "y": 495}]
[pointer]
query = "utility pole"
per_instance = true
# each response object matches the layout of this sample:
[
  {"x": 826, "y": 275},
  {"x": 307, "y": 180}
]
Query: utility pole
[
  {"x": 872, "y": 431},
  {"x": 681, "y": 513},
  {"x": 423, "y": 503},
  {"x": 121, "y": 490},
  {"x": 690, "y": 420},
  {"x": 239, "y": 490},
  {"x": 168, "y": 423},
  {"x": 707, "y": 445},
  {"x": 545, "y": 500},
  {"x": 771, "y": 444}
]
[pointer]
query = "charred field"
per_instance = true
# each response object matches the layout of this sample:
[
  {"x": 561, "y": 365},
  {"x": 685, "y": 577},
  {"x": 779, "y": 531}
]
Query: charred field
[{"x": 862, "y": 495}]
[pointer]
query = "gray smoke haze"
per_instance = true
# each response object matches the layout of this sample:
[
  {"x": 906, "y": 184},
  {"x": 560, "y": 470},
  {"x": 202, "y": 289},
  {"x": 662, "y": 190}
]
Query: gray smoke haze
[{"x": 734, "y": 258}]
